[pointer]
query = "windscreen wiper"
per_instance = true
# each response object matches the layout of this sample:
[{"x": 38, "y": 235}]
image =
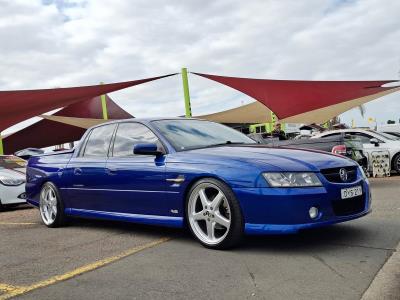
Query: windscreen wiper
[{"x": 225, "y": 143}]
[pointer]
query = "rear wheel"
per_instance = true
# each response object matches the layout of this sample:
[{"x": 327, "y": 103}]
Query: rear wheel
[
  {"x": 214, "y": 215},
  {"x": 51, "y": 207}
]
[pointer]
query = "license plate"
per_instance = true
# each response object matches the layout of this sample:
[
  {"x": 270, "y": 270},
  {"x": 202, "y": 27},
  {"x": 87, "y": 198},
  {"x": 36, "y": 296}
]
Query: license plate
[{"x": 351, "y": 192}]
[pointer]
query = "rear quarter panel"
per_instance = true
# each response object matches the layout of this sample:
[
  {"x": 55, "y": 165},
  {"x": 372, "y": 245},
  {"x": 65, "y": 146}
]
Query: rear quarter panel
[{"x": 42, "y": 169}]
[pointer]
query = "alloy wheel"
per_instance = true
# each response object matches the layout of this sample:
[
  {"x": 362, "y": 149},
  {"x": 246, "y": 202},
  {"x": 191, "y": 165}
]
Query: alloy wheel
[
  {"x": 48, "y": 205},
  {"x": 209, "y": 213}
]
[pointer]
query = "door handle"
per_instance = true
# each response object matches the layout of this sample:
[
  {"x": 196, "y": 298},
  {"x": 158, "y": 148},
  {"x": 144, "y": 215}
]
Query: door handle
[
  {"x": 111, "y": 171},
  {"x": 77, "y": 171}
]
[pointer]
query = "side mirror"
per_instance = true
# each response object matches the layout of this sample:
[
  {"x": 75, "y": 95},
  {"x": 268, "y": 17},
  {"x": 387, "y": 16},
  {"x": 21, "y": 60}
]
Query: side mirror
[
  {"x": 146, "y": 149},
  {"x": 374, "y": 141}
]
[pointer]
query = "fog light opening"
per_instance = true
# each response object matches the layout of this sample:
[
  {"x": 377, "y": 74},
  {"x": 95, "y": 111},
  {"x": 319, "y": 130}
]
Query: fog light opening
[{"x": 313, "y": 212}]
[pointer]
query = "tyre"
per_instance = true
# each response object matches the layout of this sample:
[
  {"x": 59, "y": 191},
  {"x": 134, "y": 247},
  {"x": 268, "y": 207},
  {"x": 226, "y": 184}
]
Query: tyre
[
  {"x": 214, "y": 215},
  {"x": 51, "y": 207},
  {"x": 396, "y": 163}
]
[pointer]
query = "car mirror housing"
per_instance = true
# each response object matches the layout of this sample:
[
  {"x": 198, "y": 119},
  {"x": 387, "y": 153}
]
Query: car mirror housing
[
  {"x": 146, "y": 149},
  {"x": 374, "y": 141}
]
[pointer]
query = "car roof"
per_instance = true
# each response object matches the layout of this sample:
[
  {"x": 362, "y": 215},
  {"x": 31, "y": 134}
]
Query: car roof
[
  {"x": 361, "y": 130},
  {"x": 142, "y": 120},
  {"x": 346, "y": 130},
  {"x": 151, "y": 119}
]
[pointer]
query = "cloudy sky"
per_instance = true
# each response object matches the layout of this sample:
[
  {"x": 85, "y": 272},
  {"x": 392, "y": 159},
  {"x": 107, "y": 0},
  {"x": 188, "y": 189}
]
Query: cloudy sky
[{"x": 56, "y": 43}]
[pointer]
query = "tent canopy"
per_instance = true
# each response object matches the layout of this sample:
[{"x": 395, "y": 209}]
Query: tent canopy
[
  {"x": 290, "y": 98},
  {"x": 47, "y": 133},
  {"x": 17, "y": 106},
  {"x": 321, "y": 115},
  {"x": 254, "y": 112},
  {"x": 84, "y": 123}
]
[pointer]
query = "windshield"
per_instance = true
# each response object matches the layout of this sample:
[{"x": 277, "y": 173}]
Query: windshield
[
  {"x": 12, "y": 162},
  {"x": 383, "y": 135},
  {"x": 393, "y": 134},
  {"x": 389, "y": 136},
  {"x": 194, "y": 134}
]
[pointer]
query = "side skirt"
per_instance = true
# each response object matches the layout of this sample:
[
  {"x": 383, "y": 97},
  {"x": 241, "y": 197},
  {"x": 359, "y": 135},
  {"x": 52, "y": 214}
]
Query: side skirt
[{"x": 134, "y": 218}]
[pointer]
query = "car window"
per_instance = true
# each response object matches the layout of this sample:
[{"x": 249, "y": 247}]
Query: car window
[
  {"x": 332, "y": 134},
  {"x": 364, "y": 138},
  {"x": 99, "y": 141},
  {"x": 129, "y": 134}
]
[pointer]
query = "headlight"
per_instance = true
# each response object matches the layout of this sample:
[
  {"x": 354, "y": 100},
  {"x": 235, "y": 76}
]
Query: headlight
[
  {"x": 289, "y": 179},
  {"x": 9, "y": 181}
]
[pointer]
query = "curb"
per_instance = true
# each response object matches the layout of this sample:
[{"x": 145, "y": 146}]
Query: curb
[{"x": 386, "y": 284}]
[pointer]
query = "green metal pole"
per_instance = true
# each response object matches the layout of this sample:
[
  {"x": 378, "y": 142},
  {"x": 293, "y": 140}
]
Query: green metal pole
[
  {"x": 104, "y": 105},
  {"x": 188, "y": 109},
  {"x": 1, "y": 145}
]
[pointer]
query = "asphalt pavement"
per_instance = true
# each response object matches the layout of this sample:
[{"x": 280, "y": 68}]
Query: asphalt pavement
[{"x": 107, "y": 260}]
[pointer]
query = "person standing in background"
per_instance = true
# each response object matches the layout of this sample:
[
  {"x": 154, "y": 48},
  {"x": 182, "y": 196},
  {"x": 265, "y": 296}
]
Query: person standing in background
[{"x": 278, "y": 132}]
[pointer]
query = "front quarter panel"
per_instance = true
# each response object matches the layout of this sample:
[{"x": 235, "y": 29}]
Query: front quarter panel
[{"x": 235, "y": 173}]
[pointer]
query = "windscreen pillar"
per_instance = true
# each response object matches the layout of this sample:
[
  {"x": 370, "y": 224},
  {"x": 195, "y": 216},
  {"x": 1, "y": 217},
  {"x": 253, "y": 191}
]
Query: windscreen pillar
[{"x": 185, "y": 82}]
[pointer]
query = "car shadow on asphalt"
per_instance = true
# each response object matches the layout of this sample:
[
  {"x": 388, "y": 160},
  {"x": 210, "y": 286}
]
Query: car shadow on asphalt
[
  {"x": 310, "y": 240},
  {"x": 307, "y": 240},
  {"x": 122, "y": 227}
]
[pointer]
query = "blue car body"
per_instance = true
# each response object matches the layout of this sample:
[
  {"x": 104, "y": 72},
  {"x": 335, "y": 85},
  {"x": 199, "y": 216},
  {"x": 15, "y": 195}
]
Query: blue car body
[{"x": 142, "y": 189}]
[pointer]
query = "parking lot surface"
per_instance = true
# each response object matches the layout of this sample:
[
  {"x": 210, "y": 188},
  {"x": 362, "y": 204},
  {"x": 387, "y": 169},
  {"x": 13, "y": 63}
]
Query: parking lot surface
[{"x": 102, "y": 260}]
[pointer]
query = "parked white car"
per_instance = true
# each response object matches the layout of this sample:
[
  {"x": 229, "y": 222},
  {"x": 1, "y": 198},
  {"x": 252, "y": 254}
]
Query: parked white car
[
  {"x": 371, "y": 140},
  {"x": 12, "y": 180}
]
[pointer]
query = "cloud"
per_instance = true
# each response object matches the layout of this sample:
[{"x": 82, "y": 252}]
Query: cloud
[{"x": 66, "y": 43}]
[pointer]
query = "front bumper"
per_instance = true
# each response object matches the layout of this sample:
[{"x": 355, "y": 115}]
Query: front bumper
[
  {"x": 12, "y": 194},
  {"x": 286, "y": 210}
]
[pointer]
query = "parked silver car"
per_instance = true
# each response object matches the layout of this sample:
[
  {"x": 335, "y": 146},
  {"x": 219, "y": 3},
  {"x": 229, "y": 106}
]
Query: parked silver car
[{"x": 371, "y": 140}]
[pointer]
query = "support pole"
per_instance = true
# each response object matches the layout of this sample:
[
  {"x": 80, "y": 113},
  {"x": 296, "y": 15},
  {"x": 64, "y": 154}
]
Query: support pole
[
  {"x": 104, "y": 105},
  {"x": 1, "y": 145},
  {"x": 188, "y": 109}
]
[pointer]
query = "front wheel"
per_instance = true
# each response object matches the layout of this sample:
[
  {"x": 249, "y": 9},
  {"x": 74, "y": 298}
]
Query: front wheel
[
  {"x": 214, "y": 215},
  {"x": 51, "y": 207},
  {"x": 396, "y": 163}
]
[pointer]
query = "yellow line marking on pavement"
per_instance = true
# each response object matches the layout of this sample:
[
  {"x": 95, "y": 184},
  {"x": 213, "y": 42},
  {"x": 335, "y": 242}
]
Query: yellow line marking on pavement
[
  {"x": 16, "y": 223},
  {"x": 17, "y": 291},
  {"x": 8, "y": 288}
]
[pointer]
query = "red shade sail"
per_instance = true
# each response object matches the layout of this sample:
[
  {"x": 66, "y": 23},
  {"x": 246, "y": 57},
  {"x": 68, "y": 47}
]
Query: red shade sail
[
  {"x": 17, "y": 106},
  {"x": 288, "y": 98},
  {"x": 47, "y": 133}
]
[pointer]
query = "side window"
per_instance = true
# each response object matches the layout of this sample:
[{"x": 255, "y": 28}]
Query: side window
[
  {"x": 99, "y": 141},
  {"x": 364, "y": 138},
  {"x": 129, "y": 134},
  {"x": 332, "y": 135}
]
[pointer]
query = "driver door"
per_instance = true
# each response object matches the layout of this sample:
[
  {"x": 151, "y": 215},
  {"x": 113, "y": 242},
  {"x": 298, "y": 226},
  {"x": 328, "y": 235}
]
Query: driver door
[{"x": 135, "y": 183}]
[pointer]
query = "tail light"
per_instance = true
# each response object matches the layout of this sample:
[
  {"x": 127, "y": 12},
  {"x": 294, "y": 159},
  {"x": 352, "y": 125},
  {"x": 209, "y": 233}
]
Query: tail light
[{"x": 339, "y": 149}]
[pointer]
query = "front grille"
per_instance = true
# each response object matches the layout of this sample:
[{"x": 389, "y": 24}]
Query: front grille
[
  {"x": 333, "y": 174},
  {"x": 349, "y": 206}
]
